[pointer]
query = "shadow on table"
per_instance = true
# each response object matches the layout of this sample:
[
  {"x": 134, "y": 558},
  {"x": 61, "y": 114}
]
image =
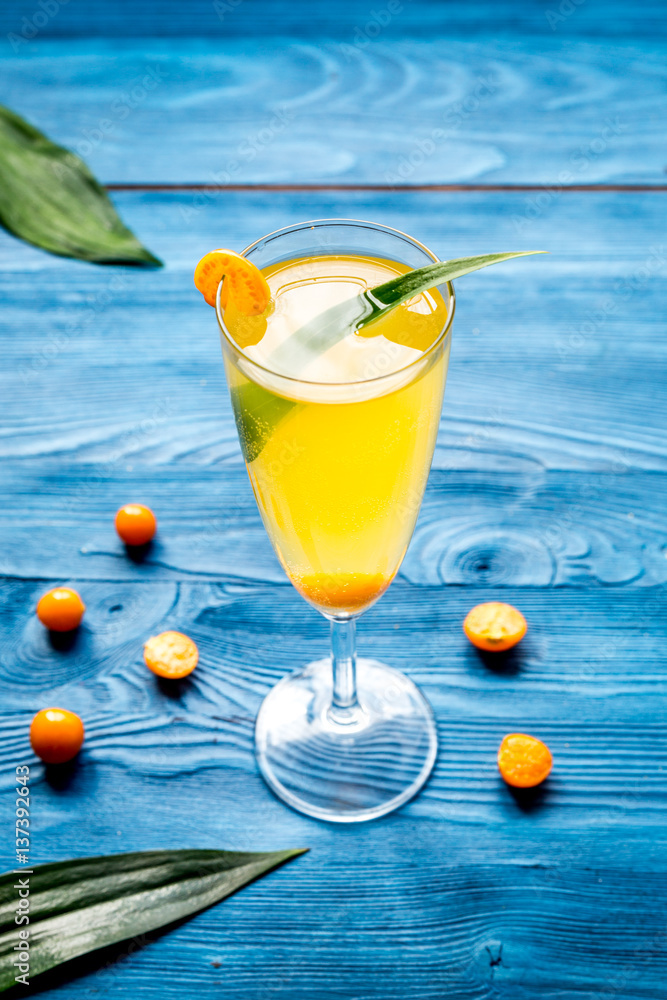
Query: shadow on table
[
  {"x": 138, "y": 553},
  {"x": 174, "y": 689},
  {"x": 529, "y": 800},
  {"x": 64, "y": 642},
  {"x": 506, "y": 664},
  {"x": 63, "y": 777}
]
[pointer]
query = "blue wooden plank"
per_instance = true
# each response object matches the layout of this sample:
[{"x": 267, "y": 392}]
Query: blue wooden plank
[
  {"x": 416, "y": 106},
  {"x": 573, "y": 911},
  {"x": 506, "y": 522},
  {"x": 410, "y": 903},
  {"x": 592, "y": 659},
  {"x": 618, "y": 19},
  {"x": 553, "y": 344},
  {"x": 549, "y": 495},
  {"x": 462, "y": 869}
]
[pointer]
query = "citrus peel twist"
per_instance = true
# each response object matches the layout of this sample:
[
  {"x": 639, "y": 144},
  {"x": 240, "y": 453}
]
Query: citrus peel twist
[{"x": 244, "y": 283}]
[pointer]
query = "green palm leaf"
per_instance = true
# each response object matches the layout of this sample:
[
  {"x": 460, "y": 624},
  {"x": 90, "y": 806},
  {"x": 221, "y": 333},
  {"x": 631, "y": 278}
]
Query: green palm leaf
[
  {"x": 81, "y": 905},
  {"x": 49, "y": 197}
]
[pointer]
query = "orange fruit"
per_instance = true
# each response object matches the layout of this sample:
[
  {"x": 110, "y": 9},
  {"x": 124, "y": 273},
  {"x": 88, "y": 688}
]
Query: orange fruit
[
  {"x": 171, "y": 654},
  {"x": 244, "y": 283},
  {"x": 494, "y": 626},
  {"x": 56, "y": 735},
  {"x": 60, "y": 609},
  {"x": 136, "y": 524},
  {"x": 524, "y": 761}
]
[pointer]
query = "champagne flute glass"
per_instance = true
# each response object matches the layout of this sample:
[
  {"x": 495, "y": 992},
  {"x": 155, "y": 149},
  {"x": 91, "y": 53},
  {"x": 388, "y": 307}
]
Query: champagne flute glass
[{"x": 338, "y": 452}]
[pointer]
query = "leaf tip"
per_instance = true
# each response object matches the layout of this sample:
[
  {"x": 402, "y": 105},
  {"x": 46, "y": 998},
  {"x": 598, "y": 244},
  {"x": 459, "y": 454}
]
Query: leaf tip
[
  {"x": 153, "y": 261},
  {"x": 143, "y": 258},
  {"x": 295, "y": 852}
]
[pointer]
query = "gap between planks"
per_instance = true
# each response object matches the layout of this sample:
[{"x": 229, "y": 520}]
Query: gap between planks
[{"x": 407, "y": 188}]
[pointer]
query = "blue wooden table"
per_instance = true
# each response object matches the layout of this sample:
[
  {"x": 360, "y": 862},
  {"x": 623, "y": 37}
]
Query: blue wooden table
[{"x": 474, "y": 127}]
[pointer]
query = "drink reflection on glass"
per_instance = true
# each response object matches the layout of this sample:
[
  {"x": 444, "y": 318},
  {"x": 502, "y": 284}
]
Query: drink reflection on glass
[{"x": 338, "y": 447}]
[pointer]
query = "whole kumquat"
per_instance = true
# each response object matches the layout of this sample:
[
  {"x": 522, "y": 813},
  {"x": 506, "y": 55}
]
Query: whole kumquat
[
  {"x": 60, "y": 609},
  {"x": 494, "y": 626},
  {"x": 244, "y": 282},
  {"x": 56, "y": 735},
  {"x": 171, "y": 654},
  {"x": 136, "y": 524},
  {"x": 524, "y": 761}
]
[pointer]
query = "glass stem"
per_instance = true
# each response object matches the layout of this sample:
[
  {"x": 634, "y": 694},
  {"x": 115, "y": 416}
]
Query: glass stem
[{"x": 344, "y": 706}]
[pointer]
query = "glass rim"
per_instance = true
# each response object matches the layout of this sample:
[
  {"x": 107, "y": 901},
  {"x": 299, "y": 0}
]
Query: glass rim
[{"x": 311, "y": 224}]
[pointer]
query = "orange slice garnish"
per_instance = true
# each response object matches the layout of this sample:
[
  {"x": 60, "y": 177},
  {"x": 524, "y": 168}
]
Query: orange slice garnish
[{"x": 244, "y": 282}]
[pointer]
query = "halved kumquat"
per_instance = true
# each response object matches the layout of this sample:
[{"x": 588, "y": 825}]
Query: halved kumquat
[
  {"x": 244, "y": 282},
  {"x": 171, "y": 654},
  {"x": 524, "y": 761},
  {"x": 494, "y": 626}
]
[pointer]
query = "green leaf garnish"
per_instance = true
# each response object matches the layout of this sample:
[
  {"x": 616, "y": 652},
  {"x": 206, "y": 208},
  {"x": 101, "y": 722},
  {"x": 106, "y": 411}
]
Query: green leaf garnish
[
  {"x": 49, "y": 197},
  {"x": 257, "y": 410},
  {"x": 325, "y": 330},
  {"x": 81, "y": 905}
]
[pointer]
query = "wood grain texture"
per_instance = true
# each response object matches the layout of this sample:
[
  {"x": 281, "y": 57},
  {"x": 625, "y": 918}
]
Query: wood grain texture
[
  {"x": 414, "y": 106},
  {"x": 514, "y": 524},
  {"x": 430, "y": 896},
  {"x": 548, "y": 491},
  {"x": 566, "y": 350},
  {"x": 505, "y": 909},
  {"x": 617, "y": 19},
  {"x": 596, "y": 668}
]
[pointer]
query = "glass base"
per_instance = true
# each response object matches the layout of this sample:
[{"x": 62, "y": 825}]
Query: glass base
[{"x": 345, "y": 765}]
